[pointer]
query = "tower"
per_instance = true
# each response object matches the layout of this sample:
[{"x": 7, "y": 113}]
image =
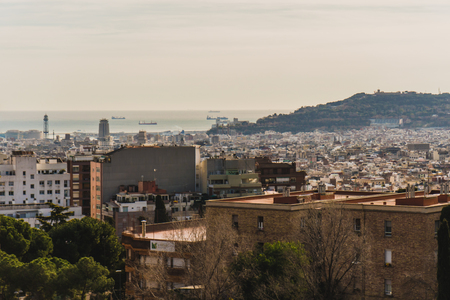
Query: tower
[
  {"x": 103, "y": 129},
  {"x": 45, "y": 126}
]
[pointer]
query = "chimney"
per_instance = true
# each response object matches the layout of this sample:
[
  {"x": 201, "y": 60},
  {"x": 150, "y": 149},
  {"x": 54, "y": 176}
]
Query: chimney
[{"x": 144, "y": 227}]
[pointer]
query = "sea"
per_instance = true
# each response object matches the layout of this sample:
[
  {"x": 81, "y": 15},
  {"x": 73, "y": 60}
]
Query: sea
[{"x": 62, "y": 122}]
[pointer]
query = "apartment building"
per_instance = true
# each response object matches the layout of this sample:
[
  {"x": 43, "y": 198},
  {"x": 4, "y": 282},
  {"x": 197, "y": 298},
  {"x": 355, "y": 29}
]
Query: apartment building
[
  {"x": 27, "y": 179},
  {"x": 396, "y": 232},
  {"x": 229, "y": 177},
  {"x": 277, "y": 176},
  {"x": 156, "y": 247},
  {"x": 173, "y": 168}
]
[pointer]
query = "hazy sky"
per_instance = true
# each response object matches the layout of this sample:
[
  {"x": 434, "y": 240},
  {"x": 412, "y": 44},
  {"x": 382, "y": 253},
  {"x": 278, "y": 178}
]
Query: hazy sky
[{"x": 217, "y": 54}]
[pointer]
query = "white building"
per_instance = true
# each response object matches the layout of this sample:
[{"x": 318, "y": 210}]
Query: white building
[
  {"x": 26, "y": 179},
  {"x": 30, "y": 212}
]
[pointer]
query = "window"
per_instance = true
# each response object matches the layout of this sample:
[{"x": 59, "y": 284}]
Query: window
[
  {"x": 437, "y": 223},
  {"x": 41, "y": 192},
  {"x": 125, "y": 209},
  {"x": 11, "y": 183},
  {"x": 388, "y": 287},
  {"x": 32, "y": 186},
  {"x": 76, "y": 194},
  {"x": 357, "y": 224},
  {"x": 11, "y": 193},
  {"x": 76, "y": 186},
  {"x": 302, "y": 222},
  {"x": 49, "y": 182},
  {"x": 24, "y": 192},
  {"x": 65, "y": 183},
  {"x": 235, "y": 221},
  {"x": 387, "y": 228},
  {"x": 24, "y": 173},
  {"x": 260, "y": 223},
  {"x": 57, "y": 182},
  {"x": 32, "y": 176},
  {"x": 24, "y": 183},
  {"x": 76, "y": 177},
  {"x": 76, "y": 169},
  {"x": 2, "y": 193},
  {"x": 32, "y": 196},
  {"x": 57, "y": 192},
  {"x": 49, "y": 192},
  {"x": 2, "y": 184},
  {"x": 388, "y": 258},
  {"x": 66, "y": 193},
  {"x": 41, "y": 183}
]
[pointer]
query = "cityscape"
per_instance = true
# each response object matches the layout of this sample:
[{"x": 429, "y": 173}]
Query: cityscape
[
  {"x": 224, "y": 150},
  {"x": 387, "y": 183}
]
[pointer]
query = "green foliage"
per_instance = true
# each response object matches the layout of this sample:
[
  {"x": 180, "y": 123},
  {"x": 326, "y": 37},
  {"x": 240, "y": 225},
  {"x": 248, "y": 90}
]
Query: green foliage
[
  {"x": 443, "y": 272},
  {"x": 160, "y": 211},
  {"x": 86, "y": 237},
  {"x": 87, "y": 275},
  {"x": 41, "y": 245},
  {"x": 273, "y": 273},
  {"x": 26, "y": 243},
  {"x": 15, "y": 236},
  {"x": 40, "y": 277},
  {"x": 58, "y": 215},
  {"x": 9, "y": 271}
]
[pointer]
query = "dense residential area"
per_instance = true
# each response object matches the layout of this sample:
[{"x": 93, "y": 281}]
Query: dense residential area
[{"x": 357, "y": 214}]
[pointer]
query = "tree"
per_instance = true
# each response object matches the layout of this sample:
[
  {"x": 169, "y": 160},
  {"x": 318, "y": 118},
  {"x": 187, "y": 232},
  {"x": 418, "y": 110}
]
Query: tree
[
  {"x": 333, "y": 249},
  {"x": 274, "y": 273},
  {"x": 86, "y": 237},
  {"x": 160, "y": 211},
  {"x": 58, "y": 215},
  {"x": 41, "y": 245},
  {"x": 39, "y": 277},
  {"x": 9, "y": 266},
  {"x": 443, "y": 272},
  {"x": 15, "y": 236},
  {"x": 205, "y": 262},
  {"x": 87, "y": 276}
]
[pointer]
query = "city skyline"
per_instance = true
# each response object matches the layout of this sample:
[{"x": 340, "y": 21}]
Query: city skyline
[{"x": 170, "y": 55}]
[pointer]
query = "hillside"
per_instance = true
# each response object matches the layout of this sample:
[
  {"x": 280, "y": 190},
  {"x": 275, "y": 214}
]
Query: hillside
[{"x": 416, "y": 110}]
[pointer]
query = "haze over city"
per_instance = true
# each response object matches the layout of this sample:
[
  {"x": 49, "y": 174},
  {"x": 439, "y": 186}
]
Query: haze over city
[{"x": 164, "y": 55}]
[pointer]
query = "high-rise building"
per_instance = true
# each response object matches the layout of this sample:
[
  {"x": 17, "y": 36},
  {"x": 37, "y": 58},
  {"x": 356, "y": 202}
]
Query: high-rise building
[
  {"x": 103, "y": 129},
  {"x": 142, "y": 137}
]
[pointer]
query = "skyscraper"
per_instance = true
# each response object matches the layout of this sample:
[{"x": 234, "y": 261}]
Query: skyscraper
[{"x": 103, "y": 129}]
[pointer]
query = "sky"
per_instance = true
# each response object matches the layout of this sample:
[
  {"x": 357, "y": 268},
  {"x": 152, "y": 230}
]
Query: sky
[{"x": 217, "y": 54}]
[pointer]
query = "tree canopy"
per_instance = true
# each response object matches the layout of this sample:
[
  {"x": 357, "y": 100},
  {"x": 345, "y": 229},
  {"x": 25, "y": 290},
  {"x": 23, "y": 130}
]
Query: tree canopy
[
  {"x": 58, "y": 215},
  {"x": 274, "y": 273},
  {"x": 86, "y": 237}
]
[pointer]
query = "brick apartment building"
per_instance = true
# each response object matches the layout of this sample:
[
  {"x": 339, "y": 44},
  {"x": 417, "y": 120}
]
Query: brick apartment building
[
  {"x": 396, "y": 232},
  {"x": 277, "y": 176}
]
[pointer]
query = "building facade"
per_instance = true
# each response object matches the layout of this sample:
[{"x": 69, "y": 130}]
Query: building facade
[{"x": 27, "y": 179}]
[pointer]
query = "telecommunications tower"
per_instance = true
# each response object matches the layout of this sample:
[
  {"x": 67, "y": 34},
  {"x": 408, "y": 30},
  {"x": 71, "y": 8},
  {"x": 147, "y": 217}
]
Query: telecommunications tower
[{"x": 45, "y": 126}]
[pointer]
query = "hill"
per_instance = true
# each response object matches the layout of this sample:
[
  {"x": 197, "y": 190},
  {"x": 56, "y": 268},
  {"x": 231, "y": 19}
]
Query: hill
[{"x": 416, "y": 110}]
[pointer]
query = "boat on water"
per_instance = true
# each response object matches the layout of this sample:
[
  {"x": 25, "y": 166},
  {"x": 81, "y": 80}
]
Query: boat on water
[
  {"x": 117, "y": 118},
  {"x": 147, "y": 123},
  {"x": 215, "y": 118},
  {"x": 214, "y": 111}
]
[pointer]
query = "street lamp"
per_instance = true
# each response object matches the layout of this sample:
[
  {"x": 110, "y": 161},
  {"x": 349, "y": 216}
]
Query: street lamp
[{"x": 120, "y": 283}]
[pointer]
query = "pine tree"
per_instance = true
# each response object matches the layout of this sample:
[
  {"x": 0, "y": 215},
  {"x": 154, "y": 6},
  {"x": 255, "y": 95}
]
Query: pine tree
[{"x": 160, "y": 211}]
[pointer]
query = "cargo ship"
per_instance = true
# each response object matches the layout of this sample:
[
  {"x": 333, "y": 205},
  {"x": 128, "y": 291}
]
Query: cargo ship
[
  {"x": 147, "y": 123},
  {"x": 117, "y": 118}
]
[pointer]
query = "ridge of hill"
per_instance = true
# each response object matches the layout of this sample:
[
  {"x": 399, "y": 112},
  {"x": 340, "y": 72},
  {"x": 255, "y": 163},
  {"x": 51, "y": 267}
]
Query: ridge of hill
[{"x": 416, "y": 109}]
